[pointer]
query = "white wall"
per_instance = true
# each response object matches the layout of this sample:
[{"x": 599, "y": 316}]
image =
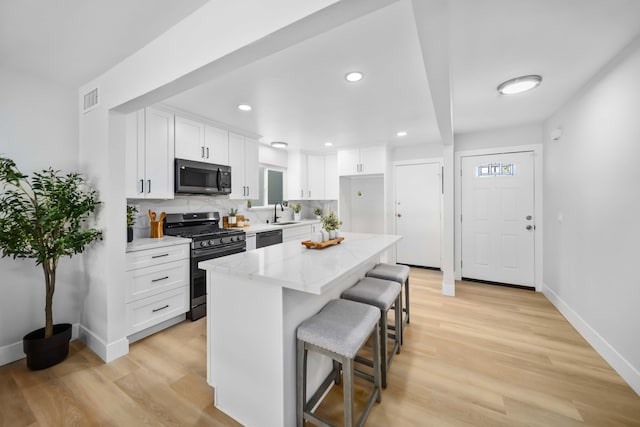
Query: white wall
[
  {"x": 413, "y": 152},
  {"x": 496, "y": 138},
  {"x": 38, "y": 129},
  {"x": 592, "y": 213}
]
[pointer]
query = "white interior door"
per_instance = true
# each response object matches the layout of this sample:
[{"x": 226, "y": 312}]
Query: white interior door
[
  {"x": 418, "y": 214},
  {"x": 498, "y": 223}
]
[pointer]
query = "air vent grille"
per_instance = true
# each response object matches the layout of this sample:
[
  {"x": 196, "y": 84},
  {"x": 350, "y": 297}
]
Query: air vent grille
[{"x": 90, "y": 100}]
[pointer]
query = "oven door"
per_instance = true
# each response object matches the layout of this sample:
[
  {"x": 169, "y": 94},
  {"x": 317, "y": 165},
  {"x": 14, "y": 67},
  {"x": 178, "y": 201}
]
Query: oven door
[{"x": 199, "y": 277}]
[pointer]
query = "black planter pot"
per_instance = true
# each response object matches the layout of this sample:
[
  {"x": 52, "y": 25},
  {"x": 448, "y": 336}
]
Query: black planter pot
[
  {"x": 45, "y": 352},
  {"x": 129, "y": 234}
]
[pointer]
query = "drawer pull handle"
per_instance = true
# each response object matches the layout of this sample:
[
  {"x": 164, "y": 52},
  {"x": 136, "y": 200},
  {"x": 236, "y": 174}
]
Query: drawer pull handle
[
  {"x": 162, "y": 278},
  {"x": 161, "y": 308},
  {"x": 159, "y": 256}
]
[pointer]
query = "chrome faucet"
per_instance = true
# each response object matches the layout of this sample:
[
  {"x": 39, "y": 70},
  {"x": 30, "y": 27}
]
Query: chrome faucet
[{"x": 275, "y": 211}]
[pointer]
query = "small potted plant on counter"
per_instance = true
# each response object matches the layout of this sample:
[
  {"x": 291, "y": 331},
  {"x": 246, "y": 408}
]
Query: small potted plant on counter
[
  {"x": 44, "y": 218},
  {"x": 232, "y": 215},
  {"x": 131, "y": 221},
  {"x": 331, "y": 224},
  {"x": 296, "y": 207},
  {"x": 318, "y": 213}
]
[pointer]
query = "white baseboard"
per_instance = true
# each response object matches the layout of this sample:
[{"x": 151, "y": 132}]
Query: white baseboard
[
  {"x": 608, "y": 353},
  {"x": 448, "y": 289},
  {"x": 153, "y": 329},
  {"x": 106, "y": 352},
  {"x": 12, "y": 352}
]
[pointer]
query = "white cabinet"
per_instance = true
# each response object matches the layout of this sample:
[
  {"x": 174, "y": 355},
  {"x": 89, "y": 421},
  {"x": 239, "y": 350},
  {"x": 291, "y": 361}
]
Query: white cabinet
[
  {"x": 299, "y": 232},
  {"x": 243, "y": 159},
  {"x": 157, "y": 287},
  {"x": 363, "y": 161},
  {"x": 201, "y": 142},
  {"x": 149, "y": 155},
  {"x": 331, "y": 179},
  {"x": 250, "y": 241},
  {"x": 306, "y": 176}
]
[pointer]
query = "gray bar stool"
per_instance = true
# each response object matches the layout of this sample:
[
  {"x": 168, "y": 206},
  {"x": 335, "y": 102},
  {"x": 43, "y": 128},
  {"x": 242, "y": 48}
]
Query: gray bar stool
[
  {"x": 397, "y": 273},
  {"x": 338, "y": 331},
  {"x": 382, "y": 294}
]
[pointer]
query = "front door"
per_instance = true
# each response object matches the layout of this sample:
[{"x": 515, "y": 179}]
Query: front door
[
  {"x": 418, "y": 213},
  {"x": 498, "y": 223}
]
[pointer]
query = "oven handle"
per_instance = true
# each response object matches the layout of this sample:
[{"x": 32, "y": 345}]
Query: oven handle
[{"x": 205, "y": 254}]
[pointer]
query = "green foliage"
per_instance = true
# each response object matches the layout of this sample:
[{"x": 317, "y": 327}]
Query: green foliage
[
  {"x": 297, "y": 207},
  {"x": 131, "y": 216},
  {"x": 233, "y": 212},
  {"x": 331, "y": 222},
  {"x": 317, "y": 211},
  {"x": 44, "y": 219}
]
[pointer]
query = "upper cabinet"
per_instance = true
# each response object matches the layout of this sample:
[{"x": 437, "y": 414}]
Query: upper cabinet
[
  {"x": 149, "y": 155},
  {"x": 308, "y": 179},
  {"x": 331, "y": 179},
  {"x": 243, "y": 159},
  {"x": 363, "y": 161},
  {"x": 201, "y": 142}
]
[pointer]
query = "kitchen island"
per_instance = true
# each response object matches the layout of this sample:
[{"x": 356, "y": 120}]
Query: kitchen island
[{"x": 255, "y": 301}]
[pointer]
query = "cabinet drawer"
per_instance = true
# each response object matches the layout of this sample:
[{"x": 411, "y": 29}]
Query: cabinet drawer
[
  {"x": 294, "y": 233},
  {"x": 144, "y": 282},
  {"x": 148, "y": 312},
  {"x": 157, "y": 256}
]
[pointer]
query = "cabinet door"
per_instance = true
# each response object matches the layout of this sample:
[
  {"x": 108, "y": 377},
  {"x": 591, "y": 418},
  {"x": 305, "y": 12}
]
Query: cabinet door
[
  {"x": 189, "y": 140},
  {"x": 315, "y": 177},
  {"x": 236, "y": 161},
  {"x": 296, "y": 175},
  {"x": 134, "y": 152},
  {"x": 216, "y": 143},
  {"x": 159, "y": 146},
  {"x": 331, "y": 179},
  {"x": 251, "y": 168},
  {"x": 348, "y": 162},
  {"x": 373, "y": 160}
]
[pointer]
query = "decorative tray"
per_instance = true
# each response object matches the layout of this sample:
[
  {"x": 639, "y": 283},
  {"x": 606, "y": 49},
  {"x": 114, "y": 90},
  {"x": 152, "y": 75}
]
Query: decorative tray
[{"x": 321, "y": 245}]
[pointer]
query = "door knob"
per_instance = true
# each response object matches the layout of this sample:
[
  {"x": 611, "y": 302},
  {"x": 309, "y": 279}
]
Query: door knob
[
  {"x": 529, "y": 217},
  {"x": 399, "y": 216},
  {"x": 529, "y": 227}
]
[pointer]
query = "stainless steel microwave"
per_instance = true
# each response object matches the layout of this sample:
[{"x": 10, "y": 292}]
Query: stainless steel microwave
[{"x": 202, "y": 178}]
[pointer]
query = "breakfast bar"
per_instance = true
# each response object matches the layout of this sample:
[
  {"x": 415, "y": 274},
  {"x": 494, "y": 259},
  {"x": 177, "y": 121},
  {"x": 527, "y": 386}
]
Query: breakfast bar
[{"x": 255, "y": 301}]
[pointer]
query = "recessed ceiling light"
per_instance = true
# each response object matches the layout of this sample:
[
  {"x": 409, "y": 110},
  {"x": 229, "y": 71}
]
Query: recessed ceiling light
[
  {"x": 328, "y": 144},
  {"x": 402, "y": 133},
  {"x": 354, "y": 76},
  {"x": 519, "y": 84},
  {"x": 279, "y": 144},
  {"x": 244, "y": 107}
]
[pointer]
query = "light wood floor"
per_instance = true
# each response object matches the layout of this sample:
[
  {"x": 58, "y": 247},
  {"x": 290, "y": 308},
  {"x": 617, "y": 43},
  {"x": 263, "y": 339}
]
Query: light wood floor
[{"x": 491, "y": 356}]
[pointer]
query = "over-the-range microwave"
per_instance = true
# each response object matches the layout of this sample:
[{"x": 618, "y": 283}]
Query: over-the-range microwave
[{"x": 201, "y": 178}]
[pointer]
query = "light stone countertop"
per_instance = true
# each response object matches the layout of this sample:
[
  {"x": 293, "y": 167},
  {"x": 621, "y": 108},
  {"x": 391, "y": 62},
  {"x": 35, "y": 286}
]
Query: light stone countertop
[
  {"x": 256, "y": 228},
  {"x": 142, "y": 243},
  {"x": 291, "y": 265}
]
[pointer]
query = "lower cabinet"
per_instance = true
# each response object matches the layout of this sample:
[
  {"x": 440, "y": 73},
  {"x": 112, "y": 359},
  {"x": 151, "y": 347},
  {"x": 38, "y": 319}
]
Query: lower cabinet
[{"x": 157, "y": 286}]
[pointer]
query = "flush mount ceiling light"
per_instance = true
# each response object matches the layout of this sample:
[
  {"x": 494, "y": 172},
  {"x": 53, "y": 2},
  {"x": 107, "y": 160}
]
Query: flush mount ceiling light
[
  {"x": 519, "y": 84},
  {"x": 402, "y": 133},
  {"x": 244, "y": 107},
  {"x": 279, "y": 144},
  {"x": 328, "y": 144},
  {"x": 354, "y": 76}
]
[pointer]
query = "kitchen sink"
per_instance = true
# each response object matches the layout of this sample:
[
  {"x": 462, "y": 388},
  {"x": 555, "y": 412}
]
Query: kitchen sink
[{"x": 286, "y": 223}]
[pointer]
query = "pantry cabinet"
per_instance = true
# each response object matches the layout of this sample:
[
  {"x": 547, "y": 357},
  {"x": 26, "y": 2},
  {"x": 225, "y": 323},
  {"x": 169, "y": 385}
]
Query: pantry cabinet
[
  {"x": 243, "y": 159},
  {"x": 149, "y": 154},
  {"x": 307, "y": 177}
]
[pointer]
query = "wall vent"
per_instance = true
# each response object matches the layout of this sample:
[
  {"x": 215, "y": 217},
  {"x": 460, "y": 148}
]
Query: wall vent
[{"x": 91, "y": 100}]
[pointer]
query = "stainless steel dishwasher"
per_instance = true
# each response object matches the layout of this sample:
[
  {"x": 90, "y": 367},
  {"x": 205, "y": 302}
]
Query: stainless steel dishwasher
[{"x": 268, "y": 238}]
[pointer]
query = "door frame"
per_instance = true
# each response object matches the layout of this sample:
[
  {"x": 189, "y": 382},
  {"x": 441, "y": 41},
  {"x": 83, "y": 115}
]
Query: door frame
[
  {"x": 537, "y": 194},
  {"x": 438, "y": 160}
]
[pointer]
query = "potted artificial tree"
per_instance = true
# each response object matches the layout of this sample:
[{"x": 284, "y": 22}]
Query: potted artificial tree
[
  {"x": 331, "y": 224},
  {"x": 296, "y": 207},
  {"x": 318, "y": 213},
  {"x": 43, "y": 219}
]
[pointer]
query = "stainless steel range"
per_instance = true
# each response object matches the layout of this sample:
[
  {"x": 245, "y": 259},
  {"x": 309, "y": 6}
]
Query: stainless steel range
[{"x": 209, "y": 241}]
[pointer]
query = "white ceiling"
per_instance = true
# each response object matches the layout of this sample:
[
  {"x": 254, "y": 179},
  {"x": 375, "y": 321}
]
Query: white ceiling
[
  {"x": 73, "y": 41},
  {"x": 299, "y": 95}
]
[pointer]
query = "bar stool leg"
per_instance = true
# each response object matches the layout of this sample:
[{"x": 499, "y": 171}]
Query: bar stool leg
[
  {"x": 406, "y": 296},
  {"x": 399, "y": 325},
  {"x": 347, "y": 369},
  {"x": 383, "y": 348},
  {"x": 301, "y": 369},
  {"x": 376, "y": 362}
]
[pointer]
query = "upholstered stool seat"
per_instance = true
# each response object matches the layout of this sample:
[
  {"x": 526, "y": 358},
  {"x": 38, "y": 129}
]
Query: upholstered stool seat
[
  {"x": 382, "y": 294},
  {"x": 397, "y": 273},
  {"x": 338, "y": 331}
]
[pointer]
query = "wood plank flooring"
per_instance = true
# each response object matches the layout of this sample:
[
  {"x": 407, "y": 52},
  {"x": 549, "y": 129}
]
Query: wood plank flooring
[{"x": 491, "y": 356}]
